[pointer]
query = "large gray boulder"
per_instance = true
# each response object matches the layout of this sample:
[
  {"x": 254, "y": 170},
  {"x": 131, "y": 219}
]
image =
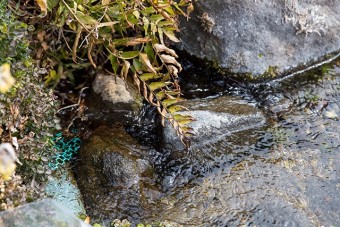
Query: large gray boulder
[
  {"x": 215, "y": 118},
  {"x": 261, "y": 36}
]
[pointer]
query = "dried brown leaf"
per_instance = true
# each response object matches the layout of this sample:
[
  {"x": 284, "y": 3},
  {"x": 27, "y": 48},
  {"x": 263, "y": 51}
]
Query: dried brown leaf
[
  {"x": 146, "y": 62},
  {"x": 125, "y": 70},
  {"x": 162, "y": 48},
  {"x": 137, "y": 41},
  {"x": 136, "y": 80},
  {"x": 145, "y": 91},
  {"x": 173, "y": 70},
  {"x": 170, "y": 60},
  {"x": 43, "y": 5},
  {"x": 163, "y": 113}
]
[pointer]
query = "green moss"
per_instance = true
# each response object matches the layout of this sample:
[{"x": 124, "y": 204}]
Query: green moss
[
  {"x": 27, "y": 112},
  {"x": 13, "y": 46}
]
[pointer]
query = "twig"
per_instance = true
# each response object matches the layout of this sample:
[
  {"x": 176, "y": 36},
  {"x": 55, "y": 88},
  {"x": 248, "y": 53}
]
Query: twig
[{"x": 74, "y": 105}]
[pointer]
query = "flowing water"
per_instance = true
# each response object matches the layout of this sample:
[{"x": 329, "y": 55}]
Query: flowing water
[{"x": 285, "y": 173}]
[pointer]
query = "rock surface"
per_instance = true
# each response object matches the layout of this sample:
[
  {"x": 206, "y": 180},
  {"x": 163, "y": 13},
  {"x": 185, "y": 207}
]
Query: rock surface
[
  {"x": 47, "y": 212},
  {"x": 215, "y": 118},
  {"x": 112, "y": 100},
  {"x": 112, "y": 89},
  {"x": 110, "y": 172},
  {"x": 256, "y": 36}
]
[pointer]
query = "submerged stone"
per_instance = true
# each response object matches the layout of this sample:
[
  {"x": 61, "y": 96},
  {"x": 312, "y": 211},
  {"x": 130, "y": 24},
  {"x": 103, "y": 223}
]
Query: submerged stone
[
  {"x": 215, "y": 118},
  {"x": 264, "y": 36},
  {"x": 110, "y": 172}
]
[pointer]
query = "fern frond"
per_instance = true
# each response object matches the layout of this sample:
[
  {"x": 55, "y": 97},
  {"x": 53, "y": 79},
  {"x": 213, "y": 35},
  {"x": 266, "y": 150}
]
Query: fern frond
[
  {"x": 134, "y": 34},
  {"x": 166, "y": 106}
]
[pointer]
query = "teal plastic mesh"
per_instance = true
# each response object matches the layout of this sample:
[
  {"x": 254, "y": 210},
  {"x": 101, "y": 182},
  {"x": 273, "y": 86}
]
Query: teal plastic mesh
[{"x": 68, "y": 150}]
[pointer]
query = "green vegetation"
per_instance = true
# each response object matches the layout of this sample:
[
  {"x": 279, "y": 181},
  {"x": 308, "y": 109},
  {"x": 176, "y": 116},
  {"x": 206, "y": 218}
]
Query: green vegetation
[
  {"x": 126, "y": 38},
  {"x": 13, "y": 45},
  {"x": 27, "y": 115},
  {"x": 46, "y": 41}
]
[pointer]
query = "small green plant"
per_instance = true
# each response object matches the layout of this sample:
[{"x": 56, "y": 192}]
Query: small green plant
[{"x": 12, "y": 45}]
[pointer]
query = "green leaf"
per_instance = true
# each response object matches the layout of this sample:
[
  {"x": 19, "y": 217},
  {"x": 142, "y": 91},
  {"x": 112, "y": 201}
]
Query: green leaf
[
  {"x": 51, "y": 4},
  {"x": 148, "y": 11},
  {"x": 153, "y": 28},
  {"x": 4, "y": 29},
  {"x": 156, "y": 18},
  {"x": 129, "y": 54},
  {"x": 188, "y": 130},
  {"x": 184, "y": 121},
  {"x": 86, "y": 19},
  {"x": 171, "y": 35},
  {"x": 52, "y": 78},
  {"x": 113, "y": 11},
  {"x": 114, "y": 63},
  {"x": 149, "y": 51},
  {"x": 120, "y": 42},
  {"x": 181, "y": 117},
  {"x": 168, "y": 102},
  {"x": 146, "y": 24},
  {"x": 160, "y": 95},
  {"x": 132, "y": 19},
  {"x": 149, "y": 76},
  {"x": 160, "y": 34},
  {"x": 60, "y": 18},
  {"x": 136, "y": 14},
  {"x": 105, "y": 33},
  {"x": 157, "y": 85},
  {"x": 175, "y": 108},
  {"x": 137, "y": 65},
  {"x": 170, "y": 10},
  {"x": 179, "y": 9},
  {"x": 165, "y": 23},
  {"x": 166, "y": 77}
]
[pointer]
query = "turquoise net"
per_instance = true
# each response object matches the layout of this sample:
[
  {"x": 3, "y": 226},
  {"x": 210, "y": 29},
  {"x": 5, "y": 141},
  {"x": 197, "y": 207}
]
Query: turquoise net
[{"x": 68, "y": 150}]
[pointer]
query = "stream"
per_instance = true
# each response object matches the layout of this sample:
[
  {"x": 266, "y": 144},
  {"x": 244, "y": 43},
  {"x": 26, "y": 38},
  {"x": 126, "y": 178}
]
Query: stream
[{"x": 284, "y": 172}]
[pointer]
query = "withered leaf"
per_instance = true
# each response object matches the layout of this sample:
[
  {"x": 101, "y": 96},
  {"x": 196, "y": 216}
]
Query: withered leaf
[
  {"x": 162, "y": 48},
  {"x": 43, "y": 5},
  {"x": 146, "y": 62},
  {"x": 170, "y": 60}
]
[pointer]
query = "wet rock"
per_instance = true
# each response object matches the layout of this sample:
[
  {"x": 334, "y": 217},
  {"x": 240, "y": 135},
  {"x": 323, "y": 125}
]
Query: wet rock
[
  {"x": 292, "y": 187},
  {"x": 47, "y": 212},
  {"x": 110, "y": 172},
  {"x": 216, "y": 117},
  {"x": 258, "y": 36},
  {"x": 112, "y": 100},
  {"x": 63, "y": 189}
]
